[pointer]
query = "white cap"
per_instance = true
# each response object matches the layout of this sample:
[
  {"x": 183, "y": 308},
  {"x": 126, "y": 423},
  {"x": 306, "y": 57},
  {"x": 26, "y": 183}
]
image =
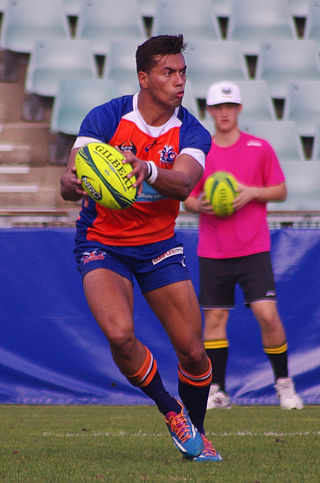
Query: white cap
[{"x": 223, "y": 92}]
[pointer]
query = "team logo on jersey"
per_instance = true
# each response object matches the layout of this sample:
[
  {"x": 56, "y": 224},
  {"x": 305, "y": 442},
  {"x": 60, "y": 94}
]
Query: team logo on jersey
[
  {"x": 127, "y": 146},
  {"x": 167, "y": 156}
]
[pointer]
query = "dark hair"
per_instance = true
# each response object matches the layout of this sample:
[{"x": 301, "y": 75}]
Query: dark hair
[{"x": 155, "y": 46}]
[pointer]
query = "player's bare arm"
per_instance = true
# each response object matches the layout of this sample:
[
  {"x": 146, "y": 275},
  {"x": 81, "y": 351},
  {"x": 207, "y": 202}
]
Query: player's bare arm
[
  {"x": 263, "y": 194},
  {"x": 176, "y": 183}
]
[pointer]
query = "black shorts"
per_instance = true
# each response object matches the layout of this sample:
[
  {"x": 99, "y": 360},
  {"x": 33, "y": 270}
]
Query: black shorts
[{"x": 218, "y": 279}]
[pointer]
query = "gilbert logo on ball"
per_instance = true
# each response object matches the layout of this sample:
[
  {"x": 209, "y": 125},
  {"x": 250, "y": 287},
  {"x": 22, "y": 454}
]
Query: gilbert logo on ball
[
  {"x": 221, "y": 189},
  {"x": 104, "y": 177}
]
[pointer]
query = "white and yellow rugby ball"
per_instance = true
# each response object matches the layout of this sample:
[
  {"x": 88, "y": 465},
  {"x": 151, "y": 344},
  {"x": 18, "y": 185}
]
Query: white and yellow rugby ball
[
  {"x": 104, "y": 177},
  {"x": 220, "y": 190}
]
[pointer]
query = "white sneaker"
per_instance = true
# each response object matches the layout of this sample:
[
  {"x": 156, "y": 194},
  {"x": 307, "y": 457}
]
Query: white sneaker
[
  {"x": 287, "y": 395},
  {"x": 218, "y": 399}
]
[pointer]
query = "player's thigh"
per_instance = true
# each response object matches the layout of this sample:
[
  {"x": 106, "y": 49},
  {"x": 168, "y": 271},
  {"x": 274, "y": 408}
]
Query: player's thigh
[
  {"x": 110, "y": 298},
  {"x": 177, "y": 308}
]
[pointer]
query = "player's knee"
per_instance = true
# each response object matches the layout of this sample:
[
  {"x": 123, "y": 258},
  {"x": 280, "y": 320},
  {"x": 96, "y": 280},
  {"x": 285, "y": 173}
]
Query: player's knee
[
  {"x": 269, "y": 322},
  {"x": 216, "y": 319},
  {"x": 193, "y": 357},
  {"x": 122, "y": 341}
]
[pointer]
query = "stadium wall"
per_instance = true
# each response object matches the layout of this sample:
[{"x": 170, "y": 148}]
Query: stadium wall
[{"x": 52, "y": 351}]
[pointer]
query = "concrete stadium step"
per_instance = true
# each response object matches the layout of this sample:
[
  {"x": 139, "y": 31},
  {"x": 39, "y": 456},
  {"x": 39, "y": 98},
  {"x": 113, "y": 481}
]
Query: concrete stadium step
[
  {"x": 26, "y": 187},
  {"x": 24, "y": 142}
]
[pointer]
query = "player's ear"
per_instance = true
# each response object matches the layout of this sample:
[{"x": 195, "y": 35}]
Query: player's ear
[{"x": 143, "y": 78}]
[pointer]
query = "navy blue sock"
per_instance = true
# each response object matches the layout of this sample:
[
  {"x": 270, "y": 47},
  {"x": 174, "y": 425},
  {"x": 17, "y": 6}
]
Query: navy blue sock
[{"x": 156, "y": 391}]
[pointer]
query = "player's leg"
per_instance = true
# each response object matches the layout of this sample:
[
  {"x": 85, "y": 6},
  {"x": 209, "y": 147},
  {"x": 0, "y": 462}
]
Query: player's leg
[
  {"x": 217, "y": 285},
  {"x": 275, "y": 347},
  {"x": 177, "y": 308},
  {"x": 110, "y": 299},
  {"x": 260, "y": 294},
  {"x": 217, "y": 347}
]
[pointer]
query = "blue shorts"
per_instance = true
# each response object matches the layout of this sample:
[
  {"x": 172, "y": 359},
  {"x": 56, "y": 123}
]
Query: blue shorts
[{"x": 153, "y": 266}]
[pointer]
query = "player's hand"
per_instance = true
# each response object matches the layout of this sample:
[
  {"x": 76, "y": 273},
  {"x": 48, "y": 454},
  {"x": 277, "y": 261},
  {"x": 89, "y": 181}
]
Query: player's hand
[
  {"x": 140, "y": 169},
  {"x": 204, "y": 206},
  {"x": 245, "y": 195},
  {"x": 70, "y": 185}
]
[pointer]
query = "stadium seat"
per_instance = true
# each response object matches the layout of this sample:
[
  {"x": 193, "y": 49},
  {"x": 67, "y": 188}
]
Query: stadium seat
[
  {"x": 316, "y": 143},
  {"x": 53, "y": 60},
  {"x": 26, "y": 21},
  {"x": 312, "y": 27},
  {"x": 147, "y": 7},
  {"x": 196, "y": 20},
  {"x": 257, "y": 104},
  {"x": 101, "y": 21},
  {"x": 213, "y": 61},
  {"x": 302, "y": 106},
  {"x": 121, "y": 67},
  {"x": 72, "y": 7},
  {"x": 189, "y": 100},
  {"x": 302, "y": 179},
  {"x": 253, "y": 21},
  {"x": 222, "y": 8},
  {"x": 75, "y": 98},
  {"x": 299, "y": 8},
  {"x": 280, "y": 61},
  {"x": 282, "y": 135}
]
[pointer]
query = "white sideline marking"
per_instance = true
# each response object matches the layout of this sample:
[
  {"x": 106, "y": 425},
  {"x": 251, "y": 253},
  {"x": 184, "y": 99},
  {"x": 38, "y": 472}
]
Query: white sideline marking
[{"x": 144, "y": 434}]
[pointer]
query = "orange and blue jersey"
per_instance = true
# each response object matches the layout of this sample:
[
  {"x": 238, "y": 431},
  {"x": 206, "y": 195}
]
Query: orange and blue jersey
[{"x": 152, "y": 217}]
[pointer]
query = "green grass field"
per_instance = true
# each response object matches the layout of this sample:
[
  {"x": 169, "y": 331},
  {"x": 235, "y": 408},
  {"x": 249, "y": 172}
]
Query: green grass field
[{"x": 131, "y": 444}]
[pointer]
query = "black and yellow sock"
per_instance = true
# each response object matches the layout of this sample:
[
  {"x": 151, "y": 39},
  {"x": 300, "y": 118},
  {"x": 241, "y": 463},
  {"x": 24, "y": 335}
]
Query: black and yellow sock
[
  {"x": 217, "y": 351},
  {"x": 278, "y": 356}
]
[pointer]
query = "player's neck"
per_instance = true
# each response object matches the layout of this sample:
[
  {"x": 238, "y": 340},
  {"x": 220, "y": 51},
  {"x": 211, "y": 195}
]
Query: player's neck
[
  {"x": 153, "y": 113},
  {"x": 225, "y": 139}
]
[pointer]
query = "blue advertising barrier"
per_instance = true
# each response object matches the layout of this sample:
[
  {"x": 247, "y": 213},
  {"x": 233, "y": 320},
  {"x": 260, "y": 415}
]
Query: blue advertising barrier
[{"x": 52, "y": 351}]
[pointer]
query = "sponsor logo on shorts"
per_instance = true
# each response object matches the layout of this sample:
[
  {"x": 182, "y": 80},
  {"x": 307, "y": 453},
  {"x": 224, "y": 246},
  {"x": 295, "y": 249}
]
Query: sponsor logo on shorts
[
  {"x": 270, "y": 293},
  {"x": 92, "y": 256},
  {"x": 167, "y": 254}
]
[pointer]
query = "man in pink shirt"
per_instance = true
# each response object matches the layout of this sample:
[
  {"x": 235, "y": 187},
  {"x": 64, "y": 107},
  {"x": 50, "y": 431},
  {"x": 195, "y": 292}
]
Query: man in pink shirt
[{"x": 236, "y": 250}]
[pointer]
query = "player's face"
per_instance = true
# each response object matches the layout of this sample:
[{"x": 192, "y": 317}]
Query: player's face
[
  {"x": 166, "y": 80},
  {"x": 225, "y": 116}
]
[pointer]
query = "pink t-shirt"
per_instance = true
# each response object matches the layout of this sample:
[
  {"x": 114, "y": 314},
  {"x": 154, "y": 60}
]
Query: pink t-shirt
[{"x": 253, "y": 162}]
